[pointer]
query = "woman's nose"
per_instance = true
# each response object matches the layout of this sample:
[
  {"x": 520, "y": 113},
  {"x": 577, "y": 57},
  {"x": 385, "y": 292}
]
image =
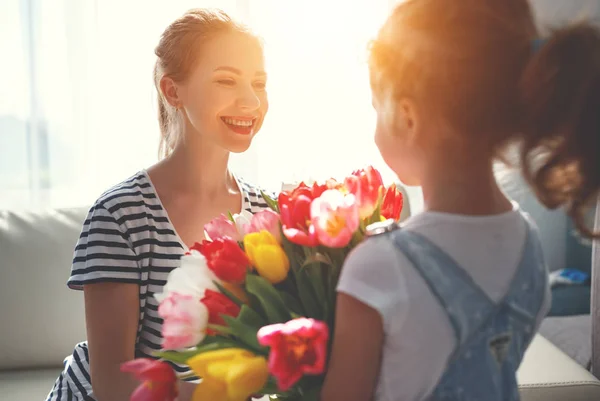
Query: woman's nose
[{"x": 247, "y": 99}]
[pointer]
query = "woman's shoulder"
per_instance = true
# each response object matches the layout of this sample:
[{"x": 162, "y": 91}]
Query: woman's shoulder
[{"x": 134, "y": 194}]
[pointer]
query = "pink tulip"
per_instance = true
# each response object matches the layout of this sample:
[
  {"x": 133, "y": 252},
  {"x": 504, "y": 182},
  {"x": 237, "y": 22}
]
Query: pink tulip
[
  {"x": 185, "y": 321},
  {"x": 335, "y": 218},
  {"x": 266, "y": 220},
  {"x": 158, "y": 380},
  {"x": 222, "y": 227}
]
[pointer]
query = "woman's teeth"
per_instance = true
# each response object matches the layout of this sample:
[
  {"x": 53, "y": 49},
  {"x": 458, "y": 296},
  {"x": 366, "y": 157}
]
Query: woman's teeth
[{"x": 239, "y": 123}]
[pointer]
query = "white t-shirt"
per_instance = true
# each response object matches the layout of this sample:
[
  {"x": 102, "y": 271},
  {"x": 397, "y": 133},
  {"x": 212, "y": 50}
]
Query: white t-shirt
[{"x": 418, "y": 334}]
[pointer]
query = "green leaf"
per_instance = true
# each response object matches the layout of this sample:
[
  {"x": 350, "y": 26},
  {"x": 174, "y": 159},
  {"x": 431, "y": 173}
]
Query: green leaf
[
  {"x": 221, "y": 343},
  {"x": 272, "y": 203},
  {"x": 291, "y": 303},
  {"x": 313, "y": 393},
  {"x": 357, "y": 238},
  {"x": 246, "y": 334},
  {"x": 250, "y": 317},
  {"x": 317, "y": 258},
  {"x": 316, "y": 277},
  {"x": 307, "y": 295},
  {"x": 269, "y": 299},
  {"x": 220, "y": 328},
  {"x": 376, "y": 216},
  {"x": 230, "y": 216},
  {"x": 180, "y": 357},
  {"x": 229, "y": 294}
]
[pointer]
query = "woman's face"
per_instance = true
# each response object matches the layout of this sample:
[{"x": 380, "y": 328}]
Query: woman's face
[{"x": 225, "y": 97}]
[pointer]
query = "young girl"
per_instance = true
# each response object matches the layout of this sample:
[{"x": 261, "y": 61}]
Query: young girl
[
  {"x": 445, "y": 307},
  {"x": 212, "y": 101}
]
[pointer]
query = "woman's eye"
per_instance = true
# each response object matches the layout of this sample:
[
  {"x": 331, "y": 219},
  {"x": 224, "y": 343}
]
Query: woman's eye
[
  {"x": 260, "y": 85},
  {"x": 228, "y": 82}
]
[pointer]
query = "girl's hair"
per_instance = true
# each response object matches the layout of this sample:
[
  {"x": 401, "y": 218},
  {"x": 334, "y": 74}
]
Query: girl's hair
[
  {"x": 478, "y": 65},
  {"x": 177, "y": 54}
]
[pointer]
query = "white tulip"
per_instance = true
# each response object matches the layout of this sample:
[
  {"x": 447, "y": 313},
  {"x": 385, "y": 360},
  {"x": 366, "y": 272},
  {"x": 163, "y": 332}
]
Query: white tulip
[
  {"x": 193, "y": 278},
  {"x": 242, "y": 221}
]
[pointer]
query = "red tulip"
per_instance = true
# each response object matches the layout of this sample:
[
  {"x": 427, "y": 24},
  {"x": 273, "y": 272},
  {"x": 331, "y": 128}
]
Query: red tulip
[
  {"x": 392, "y": 203},
  {"x": 298, "y": 347},
  {"x": 159, "y": 382},
  {"x": 225, "y": 258},
  {"x": 295, "y": 213},
  {"x": 366, "y": 185},
  {"x": 218, "y": 305},
  {"x": 313, "y": 191}
]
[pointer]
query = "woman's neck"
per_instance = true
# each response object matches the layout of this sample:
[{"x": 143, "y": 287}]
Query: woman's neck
[{"x": 198, "y": 169}]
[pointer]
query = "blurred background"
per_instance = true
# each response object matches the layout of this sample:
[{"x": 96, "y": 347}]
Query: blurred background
[
  {"x": 78, "y": 105},
  {"x": 77, "y": 102},
  {"x": 78, "y": 115}
]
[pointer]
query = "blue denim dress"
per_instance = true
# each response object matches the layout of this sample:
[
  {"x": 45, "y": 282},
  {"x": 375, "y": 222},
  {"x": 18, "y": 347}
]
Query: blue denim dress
[{"x": 491, "y": 337}]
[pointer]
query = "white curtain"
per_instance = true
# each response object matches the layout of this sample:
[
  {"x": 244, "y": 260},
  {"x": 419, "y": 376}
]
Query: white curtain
[{"x": 77, "y": 105}]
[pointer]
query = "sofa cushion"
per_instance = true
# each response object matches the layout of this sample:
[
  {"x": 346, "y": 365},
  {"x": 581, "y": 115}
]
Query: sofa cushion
[
  {"x": 31, "y": 385},
  {"x": 548, "y": 374},
  {"x": 572, "y": 335},
  {"x": 41, "y": 318}
]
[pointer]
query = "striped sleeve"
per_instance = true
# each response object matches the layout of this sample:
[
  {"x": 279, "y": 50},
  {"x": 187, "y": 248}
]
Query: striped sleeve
[{"x": 104, "y": 252}]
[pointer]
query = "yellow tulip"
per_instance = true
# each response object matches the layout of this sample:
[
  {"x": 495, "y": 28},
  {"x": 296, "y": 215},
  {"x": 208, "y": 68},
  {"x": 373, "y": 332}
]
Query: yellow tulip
[
  {"x": 231, "y": 374},
  {"x": 267, "y": 256}
]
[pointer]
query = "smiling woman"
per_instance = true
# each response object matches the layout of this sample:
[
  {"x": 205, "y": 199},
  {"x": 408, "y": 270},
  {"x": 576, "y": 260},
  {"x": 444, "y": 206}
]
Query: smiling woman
[{"x": 210, "y": 79}]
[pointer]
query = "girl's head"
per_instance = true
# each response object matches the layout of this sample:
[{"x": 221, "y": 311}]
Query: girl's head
[
  {"x": 210, "y": 79},
  {"x": 466, "y": 77}
]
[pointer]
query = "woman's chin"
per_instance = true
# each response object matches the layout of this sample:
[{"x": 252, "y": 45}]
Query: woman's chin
[{"x": 238, "y": 145}]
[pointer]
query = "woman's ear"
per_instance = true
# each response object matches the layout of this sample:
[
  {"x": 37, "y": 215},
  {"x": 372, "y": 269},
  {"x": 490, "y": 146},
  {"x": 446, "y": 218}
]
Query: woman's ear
[{"x": 170, "y": 92}]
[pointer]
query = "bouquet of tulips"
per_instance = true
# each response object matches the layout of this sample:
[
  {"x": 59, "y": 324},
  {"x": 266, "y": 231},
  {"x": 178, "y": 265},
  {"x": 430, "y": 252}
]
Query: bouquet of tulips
[{"x": 251, "y": 310}]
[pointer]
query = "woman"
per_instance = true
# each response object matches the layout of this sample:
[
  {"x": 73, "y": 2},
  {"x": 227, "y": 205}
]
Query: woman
[{"x": 212, "y": 101}]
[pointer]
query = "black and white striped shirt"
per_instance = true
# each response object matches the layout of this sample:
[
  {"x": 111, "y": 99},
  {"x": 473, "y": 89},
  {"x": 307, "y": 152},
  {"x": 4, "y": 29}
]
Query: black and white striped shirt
[{"x": 127, "y": 237}]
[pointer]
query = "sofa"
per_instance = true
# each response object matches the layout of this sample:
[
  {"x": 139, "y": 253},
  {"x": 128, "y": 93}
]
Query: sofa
[{"x": 41, "y": 320}]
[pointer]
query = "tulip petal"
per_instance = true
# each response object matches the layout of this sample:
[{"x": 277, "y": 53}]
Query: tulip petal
[
  {"x": 272, "y": 264},
  {"x": 247, "y": 378},
  {"x": 298, "y": 347},
  {"x": 210, "y": 390}
]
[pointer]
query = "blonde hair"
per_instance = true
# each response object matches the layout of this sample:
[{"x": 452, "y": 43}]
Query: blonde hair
[{"x": 177, "y": 54}]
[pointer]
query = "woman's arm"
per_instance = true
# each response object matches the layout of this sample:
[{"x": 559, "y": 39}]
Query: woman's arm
[
  {"x": 111, "y": 314},
  {"x": 356, "y": 354}
]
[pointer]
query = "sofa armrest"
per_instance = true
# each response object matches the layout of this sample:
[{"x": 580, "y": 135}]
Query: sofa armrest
[{"x": 548, "y": 374}]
